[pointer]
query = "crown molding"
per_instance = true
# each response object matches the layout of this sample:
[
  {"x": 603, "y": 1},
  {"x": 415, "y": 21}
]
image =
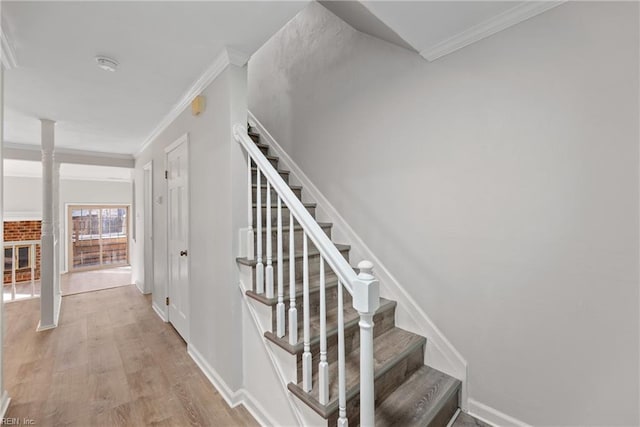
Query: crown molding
[
  {"x": 491, "y": 26},
  {"x": 227, "y": 57},
  {"x": 237, "y": 57},
  {"x": 7, "y": 51}
]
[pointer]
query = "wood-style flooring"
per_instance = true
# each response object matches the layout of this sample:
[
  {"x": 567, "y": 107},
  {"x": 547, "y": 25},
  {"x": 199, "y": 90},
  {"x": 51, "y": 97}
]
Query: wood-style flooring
[
  {"x": 75, "y": 283},
  {"x": 110, "y": 362},
  {"x": 93, "y": 280}
]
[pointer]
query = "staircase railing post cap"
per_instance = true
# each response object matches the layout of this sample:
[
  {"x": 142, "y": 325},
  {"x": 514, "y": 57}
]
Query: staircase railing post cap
[
  {"x": 366, "y": 270},
  {"x": 366, "y": 290}
]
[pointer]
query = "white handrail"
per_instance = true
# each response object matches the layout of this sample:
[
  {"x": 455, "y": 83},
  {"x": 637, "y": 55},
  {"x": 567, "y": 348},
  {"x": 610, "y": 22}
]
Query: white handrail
[
  {"x": 363, "y": 287},
  {"x": 330, "y": 253}
]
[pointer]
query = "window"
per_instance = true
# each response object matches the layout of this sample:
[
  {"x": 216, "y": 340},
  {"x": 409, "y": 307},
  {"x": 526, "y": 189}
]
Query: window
[
  {"x": 22, "y": 261},
  {"x": 99, "y": 236},
  {"x": 8, "y": 259}
]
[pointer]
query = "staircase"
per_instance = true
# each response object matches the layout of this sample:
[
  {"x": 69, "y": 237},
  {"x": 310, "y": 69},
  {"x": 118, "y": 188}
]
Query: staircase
[{"x": 320, "y": 315}]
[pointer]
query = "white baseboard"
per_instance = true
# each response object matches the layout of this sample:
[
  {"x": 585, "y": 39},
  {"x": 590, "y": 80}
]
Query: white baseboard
[
  {"x": 441, "y": 353},
  {"x": 256, "y": 410},
  {"x": 159, "y": 311},
  {"x": 233, "y": 398},
  {"x": 274, "y": 363},
  {"x": 4, "y": 404},
  {"x": 492, "y": 416},
  {"x": 57, "y": 307},
  {"x": 57, "y": 301},
  {"x": 45, "y": 328},
  {"x": 141, "y": 288}
]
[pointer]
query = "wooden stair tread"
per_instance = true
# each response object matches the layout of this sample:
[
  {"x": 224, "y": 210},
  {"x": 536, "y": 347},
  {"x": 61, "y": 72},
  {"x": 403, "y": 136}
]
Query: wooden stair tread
[
  {"x": 411, "y": 394},
  {"x": 389, "y": 349},
  {"x": 330, "y": 281},
  {"x": 418, "y": 401},
  {"x": 274, "y": 206},
  {"x": 297, "y": 227},
  {"x": 351, "y": 319},
  {"x": 281, "y": 171},
  {"x": 264, "y": 185},
  {"x": 298, "y": 255}
]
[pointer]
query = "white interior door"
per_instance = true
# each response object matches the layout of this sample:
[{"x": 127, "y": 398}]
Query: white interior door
[{"x": 178, "y": 235}]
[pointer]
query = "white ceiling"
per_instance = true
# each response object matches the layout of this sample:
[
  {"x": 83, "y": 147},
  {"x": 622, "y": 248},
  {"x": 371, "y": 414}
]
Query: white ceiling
[
  {"x": 435, "y": 28},
  {"x": 162, "y": 47},
  {"x": 25, "y": 168},
  {"x": 425, "y": 24}
]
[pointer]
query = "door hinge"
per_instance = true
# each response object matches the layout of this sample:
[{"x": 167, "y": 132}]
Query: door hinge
[
  {"x": 166, "y": 301},
  {"x": 166, "y": 174}
]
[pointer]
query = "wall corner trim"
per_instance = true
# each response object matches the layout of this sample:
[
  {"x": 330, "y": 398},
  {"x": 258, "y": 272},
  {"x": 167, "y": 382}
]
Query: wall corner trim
[
  {"x": 487, "y": 28},
  {"x": 4, "y": 404},
  {"x": 492, "y": 416},
  {"x": 233, "y": 398},
  {"x": 226, "y": 57}
]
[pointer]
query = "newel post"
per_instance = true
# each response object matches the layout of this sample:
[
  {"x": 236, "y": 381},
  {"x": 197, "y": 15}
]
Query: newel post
[
  {"x": 366, "y": 300},
  {"x": 237, "y": 134}
]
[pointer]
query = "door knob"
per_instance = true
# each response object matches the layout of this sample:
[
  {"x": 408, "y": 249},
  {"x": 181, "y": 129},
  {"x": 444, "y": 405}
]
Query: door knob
[{"x": 183, "y": 253}]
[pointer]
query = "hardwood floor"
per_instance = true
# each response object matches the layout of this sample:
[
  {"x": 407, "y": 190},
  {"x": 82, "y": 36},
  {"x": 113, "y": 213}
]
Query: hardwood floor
[
  {"x": 110, "y": 362},
  {"x": 88, "y": 281},
  {"x": 76, "y": 283}
]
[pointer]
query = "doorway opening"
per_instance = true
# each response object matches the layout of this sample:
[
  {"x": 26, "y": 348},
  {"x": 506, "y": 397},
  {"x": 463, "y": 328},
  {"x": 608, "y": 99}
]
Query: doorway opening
[{"x": 98, "y": 237}]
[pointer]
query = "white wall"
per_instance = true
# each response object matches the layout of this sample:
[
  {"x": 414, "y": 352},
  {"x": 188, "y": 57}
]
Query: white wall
[
  {"x": 499, "y": 184},
  {"x": 77, "y": 192},
  {"x": 217, "y": 171},
  {"x": 23, "y": 200}
]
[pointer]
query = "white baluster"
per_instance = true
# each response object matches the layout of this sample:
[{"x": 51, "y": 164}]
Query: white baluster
[
  {"x": 269, "y": 269},
  {"x": 366, "y": 301},
  {"x": 259, "y": 265},
  {"x": 342, "y": 382},
  {"x": 306, "y": 355},
  {"x": 323, "y": 366},
  {"x": 293, "y": 312},
  {"x": 250, "y": 236},
  {"x": 280, "y": 322}
]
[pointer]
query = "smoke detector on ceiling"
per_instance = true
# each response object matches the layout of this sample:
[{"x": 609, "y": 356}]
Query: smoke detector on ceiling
[{"x": 107, "y": 64}]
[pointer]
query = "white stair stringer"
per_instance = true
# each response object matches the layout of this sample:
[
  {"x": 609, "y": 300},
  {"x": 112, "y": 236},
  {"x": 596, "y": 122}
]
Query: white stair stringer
[
  {"x": 268, "y": 384},
  {"x": 439, "y": 352}
]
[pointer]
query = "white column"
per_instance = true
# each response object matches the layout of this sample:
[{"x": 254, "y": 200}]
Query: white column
[
  {"x": 56, "y": 232},
  {"x": 47, "y": 297}
]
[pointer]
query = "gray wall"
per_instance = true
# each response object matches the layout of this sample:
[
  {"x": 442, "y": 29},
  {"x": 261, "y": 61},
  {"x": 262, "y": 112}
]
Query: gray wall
[
  {"x": 214, "y": 158},
  {"x": 499, "y": 184}
]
